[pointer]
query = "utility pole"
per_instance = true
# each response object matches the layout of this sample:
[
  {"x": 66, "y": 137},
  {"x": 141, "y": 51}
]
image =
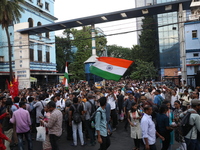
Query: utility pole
[{"x": 182, "y": 42}]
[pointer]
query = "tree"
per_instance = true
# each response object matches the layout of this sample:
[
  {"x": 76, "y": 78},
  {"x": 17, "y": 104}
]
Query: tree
[
  {"x": 63, "y": 51},
  {"x": 83, "y": 42},
  {"x": 148, "y": 41},
  {"x": 119, "y": 52},
  {"x": 144, "y": 70},
  {"x": 10, "y": 12}
]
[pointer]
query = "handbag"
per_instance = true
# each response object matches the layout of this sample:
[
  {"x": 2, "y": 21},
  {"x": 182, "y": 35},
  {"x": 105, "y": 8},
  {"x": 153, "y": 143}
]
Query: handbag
[
  {"x": 121, "y": 115},
  {"x": 41, "y": 134}
]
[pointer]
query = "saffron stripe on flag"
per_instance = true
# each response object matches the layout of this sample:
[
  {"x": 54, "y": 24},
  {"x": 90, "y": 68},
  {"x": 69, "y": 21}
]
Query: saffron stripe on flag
[
  {"x": 116, "y": 61},
  {"x": 104, "y": 74}
]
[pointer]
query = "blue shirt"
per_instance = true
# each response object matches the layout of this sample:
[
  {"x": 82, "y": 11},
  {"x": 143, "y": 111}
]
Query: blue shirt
[
  {"x": 158, "y": 99},
  {"x": 108, "y": 110},
  {"x": 162, "y": 122},
  {"x": 14, "y": 108},
  {"x": 100, "y": 122}
]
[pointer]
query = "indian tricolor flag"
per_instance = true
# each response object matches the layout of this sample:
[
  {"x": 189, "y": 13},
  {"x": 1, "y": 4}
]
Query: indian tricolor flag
[
  {"x": 66, "y": 76},
  {"x": 110, "y": 68}
]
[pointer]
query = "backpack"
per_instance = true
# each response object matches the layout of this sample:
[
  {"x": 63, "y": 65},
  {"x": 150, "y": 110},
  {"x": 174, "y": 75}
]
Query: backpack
[
  {"x": 185, "y": 127},
  {"x": 93, "y": 108},
  {"x": 92, "y": 118},
  {"x": 33, "y": 112},
  {"x": 76, "y": 114}
]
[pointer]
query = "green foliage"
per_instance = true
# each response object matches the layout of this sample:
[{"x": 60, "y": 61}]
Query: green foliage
[
  {"x": 118, "y": 52},
  {"x": 63, "y": 51},
  {"x": 193, "y": 62},
  {"x": 82, "y": 40},
  {"x": 148, "y": 41},
  {"x": 10, "y": 11},
  {"x": 144, "y": 70}
]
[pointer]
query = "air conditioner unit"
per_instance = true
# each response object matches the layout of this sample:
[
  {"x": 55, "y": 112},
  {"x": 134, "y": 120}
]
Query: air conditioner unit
[
  {"x": 194, "y": 17},
  {"x": 40, "y": 4}
]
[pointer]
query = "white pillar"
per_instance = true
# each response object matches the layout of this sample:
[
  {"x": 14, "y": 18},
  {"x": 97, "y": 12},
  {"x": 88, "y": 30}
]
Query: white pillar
[
  {"x": 93, "y": 40},
  {"x": 182, "y": 42}
]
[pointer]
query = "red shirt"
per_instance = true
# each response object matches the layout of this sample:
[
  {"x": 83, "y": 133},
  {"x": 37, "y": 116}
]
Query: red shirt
[{"x": 2, "y": 136}]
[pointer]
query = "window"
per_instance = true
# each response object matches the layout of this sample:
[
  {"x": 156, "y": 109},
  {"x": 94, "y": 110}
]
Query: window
[
  {"x": 40, "y": 34},
  {"x": 47, "y": 35},
  {"x": 31, "y": 55},
  {"x": 194, "y": 34},
  {"x": 196, "y": 69},
  {"x": 47, "y": 57},
  {"x": 195, "y": 54},
  {"x": 30, "y": 21},
  {"x": 47, "y": 6},
  {"x": 1, "y": 58},
  {"x": 39, "y": 3},
  {"x": 39, "y": 55}
]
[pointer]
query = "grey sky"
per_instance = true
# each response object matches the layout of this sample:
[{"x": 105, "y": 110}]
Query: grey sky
[{"x": 66, "y": 10}]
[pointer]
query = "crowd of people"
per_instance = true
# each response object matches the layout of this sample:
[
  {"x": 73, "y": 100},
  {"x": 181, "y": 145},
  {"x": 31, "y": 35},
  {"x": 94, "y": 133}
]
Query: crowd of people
[{"x": 152, "y": 111}]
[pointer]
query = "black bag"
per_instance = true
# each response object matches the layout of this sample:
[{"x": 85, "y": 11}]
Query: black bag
[
  {"x": 93, "y": 108},
  {"x": 42, "y": 111},
  {"x": 76, "y": 114},
  {"x": 33, "y": 113},
  {"x": 92, "y": 118},
  {"x": 185, "y": 127}
]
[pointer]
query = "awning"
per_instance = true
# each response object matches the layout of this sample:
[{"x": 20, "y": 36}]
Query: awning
[{"x": 32, "y": 79}]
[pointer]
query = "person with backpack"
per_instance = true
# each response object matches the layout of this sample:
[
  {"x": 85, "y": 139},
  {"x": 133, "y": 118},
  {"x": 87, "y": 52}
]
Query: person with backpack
[
  {"x": 190, "y": 133},
  {"x": 75, "y": 112},
  {"x": 90, "y": 108},
  {"x": 158, "y": 99},
  {"x": 101, "y": 125}
]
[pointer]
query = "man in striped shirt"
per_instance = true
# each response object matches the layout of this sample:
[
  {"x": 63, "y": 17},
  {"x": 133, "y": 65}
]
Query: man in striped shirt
[{"x": 54, "y": 124}]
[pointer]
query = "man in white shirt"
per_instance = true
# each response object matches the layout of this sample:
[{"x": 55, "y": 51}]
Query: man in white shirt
[
  {"x": 148, "y": 129},
  {"x": 60, "y": 104},
  {"x": 174, "y": 98},
  {"x": 111, "y": 99}
]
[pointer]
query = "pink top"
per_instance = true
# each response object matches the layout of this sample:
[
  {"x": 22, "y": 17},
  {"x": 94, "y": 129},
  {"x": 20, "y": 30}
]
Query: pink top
[{"x": 21, "y": 118}]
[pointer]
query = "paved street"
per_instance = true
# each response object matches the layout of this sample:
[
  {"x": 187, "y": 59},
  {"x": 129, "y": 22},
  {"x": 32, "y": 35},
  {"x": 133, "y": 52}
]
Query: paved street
[{"x": 120, "y": 140}]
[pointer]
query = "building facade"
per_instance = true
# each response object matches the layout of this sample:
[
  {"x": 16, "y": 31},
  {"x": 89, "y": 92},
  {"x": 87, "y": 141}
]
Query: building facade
[
  {"x": 192, "y": 47},
  {"x": 40, "y": 48},
  {"x": 168, "y": 39}
]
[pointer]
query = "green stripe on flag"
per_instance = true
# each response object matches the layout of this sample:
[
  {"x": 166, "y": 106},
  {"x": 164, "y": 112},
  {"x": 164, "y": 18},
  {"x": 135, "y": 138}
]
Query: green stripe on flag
[
  {"x": 66, "y": 76},
  {"x": 104, "y": 74}
]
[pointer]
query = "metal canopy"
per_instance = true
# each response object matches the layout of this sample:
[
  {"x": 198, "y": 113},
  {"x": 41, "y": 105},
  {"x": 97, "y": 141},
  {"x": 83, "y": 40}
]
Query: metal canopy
[{"x": 107, "y": 17}]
